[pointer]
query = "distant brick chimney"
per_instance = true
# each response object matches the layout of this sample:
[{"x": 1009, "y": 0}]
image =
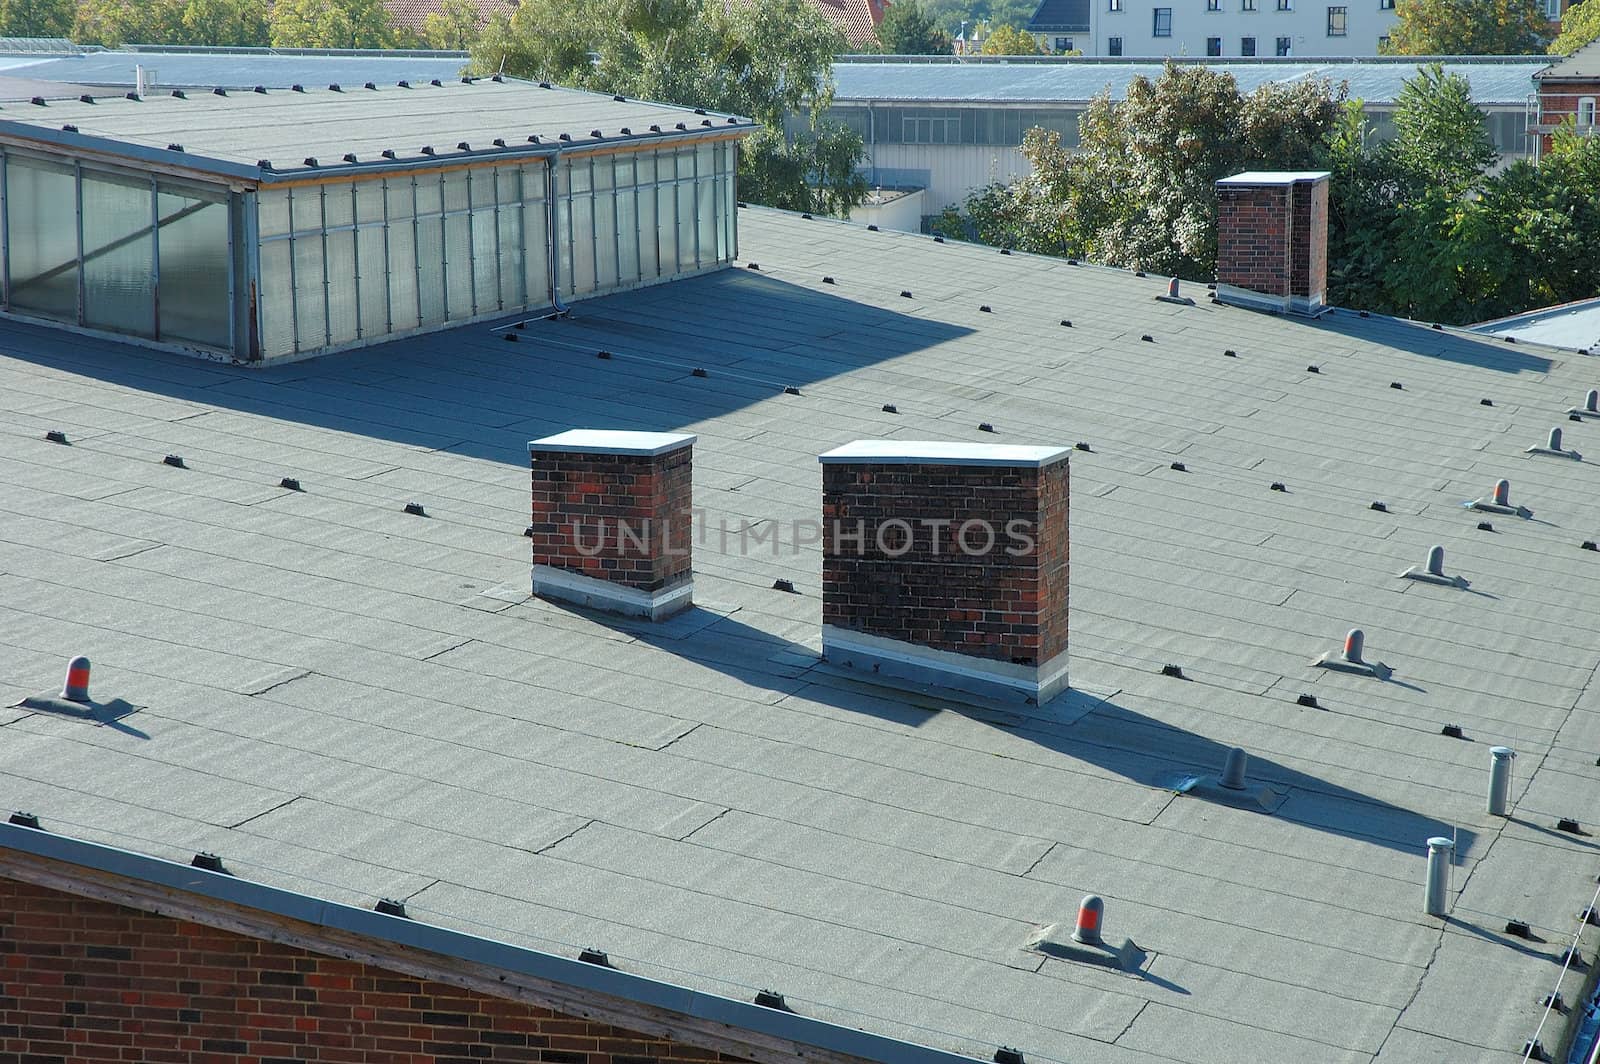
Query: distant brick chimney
[
  {"x": 946, "y": 565},
  {"x": 1272, "y": 240},
  {"x": 611, "y": 520}
]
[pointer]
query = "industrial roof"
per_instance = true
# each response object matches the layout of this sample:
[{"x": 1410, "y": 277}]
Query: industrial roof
[
  {"x": 1573, "y": 325},
  {"x": 235, "y": 69},
  {"x": 345, "y": 700},
  {"x": 1065, "y": 15},
  {"x": 300, "y": 132},
  {"x": 1495, "y": 82}
]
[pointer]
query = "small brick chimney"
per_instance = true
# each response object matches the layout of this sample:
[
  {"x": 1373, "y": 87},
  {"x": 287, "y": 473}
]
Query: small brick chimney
[
  {"x": 1272, "y": 240},
  {"x": 611, "y": 520},
  {"x": 945, "y": 565}
]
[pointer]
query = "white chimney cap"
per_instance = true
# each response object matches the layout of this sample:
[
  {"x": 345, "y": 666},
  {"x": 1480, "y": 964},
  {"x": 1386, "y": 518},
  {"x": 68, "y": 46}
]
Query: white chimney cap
[
  {"x": 608, "y": 441},
  {"x": 1275, "y": 177},
  {"x": 927, "y": 452}
]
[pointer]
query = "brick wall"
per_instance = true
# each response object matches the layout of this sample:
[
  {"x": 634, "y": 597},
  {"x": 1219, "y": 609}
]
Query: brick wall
[
  {"x": 995, "y": 604},
  {"x": 86, "y": 980},
  {"x": 649, "y": 495},
  {"x": 1252, "y": 237},
  {"x": 1308, "y": 243}
]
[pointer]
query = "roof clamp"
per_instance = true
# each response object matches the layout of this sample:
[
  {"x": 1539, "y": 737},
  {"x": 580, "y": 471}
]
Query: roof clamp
[
  {"x": 1499, "y": 502},
  {"x": 1552, "y": 446},
  {"x": 1348, "y": 658},
  {"x": 1433, "y": 571},
  {"x": 370, "y": 85},
  {"x": 1082, "y": 941},
  {"x": 1173, "y": 296},
  {"x": 771, "y": 999},
  {"x": 210, "y": 862},
  {"x": 391, "y": 907},
  {"x": 598, "y": 957}
]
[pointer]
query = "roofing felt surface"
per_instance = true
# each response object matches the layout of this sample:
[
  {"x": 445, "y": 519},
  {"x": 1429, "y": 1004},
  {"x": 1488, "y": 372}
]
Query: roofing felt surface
[
  {"x": 326, "y": 122},
  {"x": 234, "y": 70},
  {"x": 1582, "y": 64},
  {"x": 344, "y": 699},
  {"x": 1377, "y": 81}
]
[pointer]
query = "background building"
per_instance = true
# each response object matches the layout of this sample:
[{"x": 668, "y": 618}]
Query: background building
[
  {"x": 1568, "y": 91},
  {"x": 951, "y": 126},
  {"x": 257, "y": 225},
  {"x": 1214, "y": 28}
]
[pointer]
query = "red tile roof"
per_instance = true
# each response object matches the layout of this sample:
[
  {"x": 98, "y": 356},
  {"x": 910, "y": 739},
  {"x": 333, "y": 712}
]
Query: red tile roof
[{"x": 856, "y": 19}]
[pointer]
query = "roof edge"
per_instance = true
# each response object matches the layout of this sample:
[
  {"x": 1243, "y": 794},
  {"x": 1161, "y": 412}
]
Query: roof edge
[{"x": 211, "y": 892}]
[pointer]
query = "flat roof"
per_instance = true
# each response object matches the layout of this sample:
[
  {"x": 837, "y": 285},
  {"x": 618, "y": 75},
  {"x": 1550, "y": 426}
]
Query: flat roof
[
  {"x": 234, "y": 68},
  {"x": 1495, "y": 81},
  {"x": 231, "y": 133},
  {"x": 352, "y": 703},
  {"x": 1574, "y": 325}
]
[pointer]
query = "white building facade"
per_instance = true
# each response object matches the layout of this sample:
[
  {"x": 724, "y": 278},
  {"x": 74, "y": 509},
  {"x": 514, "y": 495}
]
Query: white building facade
[{"x": 1234, "y": 29}]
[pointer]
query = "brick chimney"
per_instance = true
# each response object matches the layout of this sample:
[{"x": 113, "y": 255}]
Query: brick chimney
[
  {"x": 945, "y": 565},
  {"x": 1272, "y": 240},
  {"x": 611, "y": 520}
]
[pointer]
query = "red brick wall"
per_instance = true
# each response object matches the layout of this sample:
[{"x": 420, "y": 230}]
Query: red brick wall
[
  {"x": 1253, "y": 237},
  {"x": 993, "y": 604},
  {"x": 651, "y": 495},
  {"x": 85, "y": 980},
  {"x": 1308, "y": 251}
]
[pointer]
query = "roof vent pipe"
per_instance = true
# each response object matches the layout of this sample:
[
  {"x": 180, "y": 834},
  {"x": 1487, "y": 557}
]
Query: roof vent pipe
[
  {"x": 1591, "y": 402},
  {"x": 1354, "y": 643},
  {"x": 138, "y": 79},
  {"x": 1502, "y": 493},
  {"x": 1440, "y": 852},
  {"x": 1436, "y": 560},
  {"x": 1500, "y": 758},
  {"x": 1233, "y": 769},
  {"x": 76, "y": 689},
  {"x": 1091, "y": 910}
]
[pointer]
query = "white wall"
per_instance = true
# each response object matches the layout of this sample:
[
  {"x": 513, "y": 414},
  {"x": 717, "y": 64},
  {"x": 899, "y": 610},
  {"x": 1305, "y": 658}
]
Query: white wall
[
  {"x": 948, "y": 171},
  {"x": 902, "y": 213},
  {"x": 1306, "y": 25}
]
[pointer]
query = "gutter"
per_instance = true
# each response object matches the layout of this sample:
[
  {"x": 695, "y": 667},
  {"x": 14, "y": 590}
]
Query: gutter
[{"x": 399, "y": 935}]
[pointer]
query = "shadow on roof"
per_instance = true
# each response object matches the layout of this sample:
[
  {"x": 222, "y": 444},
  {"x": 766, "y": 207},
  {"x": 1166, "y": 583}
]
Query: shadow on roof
[
  {"x": 1418, "y": 338},
  {"x": 471, "y": 392},
  {"x": 1079, "y": 725}
]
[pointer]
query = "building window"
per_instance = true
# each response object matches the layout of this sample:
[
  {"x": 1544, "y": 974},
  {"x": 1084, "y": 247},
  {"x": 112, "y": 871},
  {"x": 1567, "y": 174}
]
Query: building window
[
  {"x": 1383, "y": 45},
  {"x": 1247, "y": 5},
  {"x": 1247, "y": 46},
  {"x": 1283, "y": 46},
  {"x": 1385, "y": 5},
  {"x": 1213, "y": 5},
  {"x": 1586, "y": 111},
  {"x": 1163, "y": 22},
  {"x": 1113, "y": 5},
  {"x": 1338, "y": 21},
  {"x": 1552, "y": 9},
  {"x": 1285, "y": 5},
  {"x": 1063, "y": 44},
  {"x": 1213, "y": 46},
  {"x": 1113, "y": 46}
]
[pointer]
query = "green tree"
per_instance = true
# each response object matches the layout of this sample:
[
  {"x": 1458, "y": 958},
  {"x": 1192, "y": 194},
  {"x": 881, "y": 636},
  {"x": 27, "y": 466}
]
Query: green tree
[
  {"x": 115, "y": 22},
  {"x": 1469, "y": 27},
  {"x": 225, "y": 23},
  {"x": 772, "y": 62},
  {"x": 36, "y": 18},
  {"x": 1140, "y": 189},
  {"x": 1579, "y": 26},
  {"x": 1441, "y": 137},
  {"x": 907, "y": 29},
  {"x": 330, "y": 24},
  {"x": 454, "y": 26},
  {"x": 1008, "y": 40}
]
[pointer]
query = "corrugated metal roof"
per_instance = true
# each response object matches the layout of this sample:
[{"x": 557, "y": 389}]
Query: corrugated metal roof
[
  {"x": 1495, "y": 82},
  {"x": 237, "y": 70},
  {"x": 230, "y": 134}
]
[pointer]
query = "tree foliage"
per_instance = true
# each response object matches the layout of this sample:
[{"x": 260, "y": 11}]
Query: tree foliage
[
  {"x": 948, "y": 15},
  {"x": 771, "y": 61},
  {"x": 36, "y": 18},
  {"x": 1579, "y": 26},
  {"x": 330, "y": 24},
  {"x": 1008, "y": 40},
  {"x": 908, "y": 29},
  {"x": 454, "y": 26},
  {"x": 1469, "y": 27}
]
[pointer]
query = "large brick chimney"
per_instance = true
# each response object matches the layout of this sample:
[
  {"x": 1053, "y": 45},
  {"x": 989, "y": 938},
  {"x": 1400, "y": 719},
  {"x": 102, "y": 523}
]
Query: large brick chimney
[
  {"x": 945, "y": 565},
  {"x": 611, "y": 520},
  {"x": 1272, "y": 240}
]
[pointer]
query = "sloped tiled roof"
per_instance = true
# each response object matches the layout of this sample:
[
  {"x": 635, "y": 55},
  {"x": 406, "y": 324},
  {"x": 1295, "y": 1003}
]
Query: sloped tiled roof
[
  {"x": 856, "y": 19},
  {"x": 346, "y": 700},
  {"x": 1064, "y": 15}
]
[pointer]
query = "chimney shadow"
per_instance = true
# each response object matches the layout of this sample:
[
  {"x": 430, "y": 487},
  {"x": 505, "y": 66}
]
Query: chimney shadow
[{"x": 1149, "y": 752}]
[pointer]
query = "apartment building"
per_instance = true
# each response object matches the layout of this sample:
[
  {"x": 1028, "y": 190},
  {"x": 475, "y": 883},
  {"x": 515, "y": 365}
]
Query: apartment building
[{"x": 1214, "y": 28}]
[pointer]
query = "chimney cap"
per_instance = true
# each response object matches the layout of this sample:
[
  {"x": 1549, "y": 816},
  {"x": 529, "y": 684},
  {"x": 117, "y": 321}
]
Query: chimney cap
[
  {"x": 1275, "y": 177},
  {"x": 933, "y": 452},
  {"x": 607, "y": 441}
]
